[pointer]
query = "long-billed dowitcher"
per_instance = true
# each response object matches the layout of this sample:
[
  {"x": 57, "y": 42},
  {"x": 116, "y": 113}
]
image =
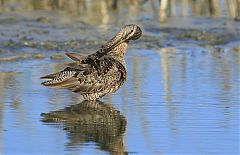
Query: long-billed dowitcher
[{"x": 100, "y": 73}]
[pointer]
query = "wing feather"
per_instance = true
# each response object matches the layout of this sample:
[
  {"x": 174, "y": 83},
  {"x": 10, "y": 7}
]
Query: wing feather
[
  {"x": 87, "y": 79},
  {"x": 76, "y": 57}
]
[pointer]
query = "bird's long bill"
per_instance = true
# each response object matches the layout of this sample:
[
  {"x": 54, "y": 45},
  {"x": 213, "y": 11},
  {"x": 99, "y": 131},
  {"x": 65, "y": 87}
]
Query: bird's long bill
[{"x": 114, "y": 42}]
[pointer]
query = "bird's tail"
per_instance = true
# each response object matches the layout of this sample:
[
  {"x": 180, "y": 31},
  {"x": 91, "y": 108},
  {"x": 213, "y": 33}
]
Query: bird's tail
[{"x": 63, "y": 79}]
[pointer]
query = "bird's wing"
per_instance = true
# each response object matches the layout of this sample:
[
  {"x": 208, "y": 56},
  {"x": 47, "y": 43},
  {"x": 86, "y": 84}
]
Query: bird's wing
[
  {"x": 76, "y": 57},
  {"x": 88, "y": 78}
]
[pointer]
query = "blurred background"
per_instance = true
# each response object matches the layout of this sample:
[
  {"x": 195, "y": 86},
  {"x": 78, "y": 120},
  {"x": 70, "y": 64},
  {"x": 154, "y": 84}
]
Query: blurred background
[
  {"x": 182, "y": 91},
  {"x": 106, "y": 11}
]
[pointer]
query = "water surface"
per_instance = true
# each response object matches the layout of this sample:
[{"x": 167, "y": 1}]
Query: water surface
[{"x": 178, "y": 102}]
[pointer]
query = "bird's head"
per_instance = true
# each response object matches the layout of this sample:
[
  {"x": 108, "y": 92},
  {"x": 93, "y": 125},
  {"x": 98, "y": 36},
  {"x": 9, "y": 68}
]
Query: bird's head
[
  {"x": 130, "y": 32},
  {"x": 127, "y": 33}
]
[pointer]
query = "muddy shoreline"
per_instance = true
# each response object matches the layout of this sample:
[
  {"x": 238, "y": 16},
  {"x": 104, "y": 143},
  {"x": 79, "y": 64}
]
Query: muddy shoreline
[{"x": 37, "y": 36}]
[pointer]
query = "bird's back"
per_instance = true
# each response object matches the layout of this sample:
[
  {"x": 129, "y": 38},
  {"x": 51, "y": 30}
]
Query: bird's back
[{"x": 92, "y": 77}]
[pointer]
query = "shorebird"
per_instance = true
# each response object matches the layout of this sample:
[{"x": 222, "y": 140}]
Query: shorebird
[{"x": 100, "y": 73}]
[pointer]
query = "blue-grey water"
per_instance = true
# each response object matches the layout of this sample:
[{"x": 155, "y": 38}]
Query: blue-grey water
[
  {"x": 186, "y": 101},
  {"x": 182, "y": 94}
]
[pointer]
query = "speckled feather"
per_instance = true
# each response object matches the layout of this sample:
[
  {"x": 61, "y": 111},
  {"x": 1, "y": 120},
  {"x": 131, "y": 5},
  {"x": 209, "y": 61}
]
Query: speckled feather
[{"x": 97, "y": 74}]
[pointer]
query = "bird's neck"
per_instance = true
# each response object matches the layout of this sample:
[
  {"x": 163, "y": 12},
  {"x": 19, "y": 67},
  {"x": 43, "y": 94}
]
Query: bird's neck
[{"x": 119, "y": 51}]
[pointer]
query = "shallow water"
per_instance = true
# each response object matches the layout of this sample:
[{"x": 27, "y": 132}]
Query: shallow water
[
  {"x": 181, "y": 95},
  {"x": 173, "y": 102}
]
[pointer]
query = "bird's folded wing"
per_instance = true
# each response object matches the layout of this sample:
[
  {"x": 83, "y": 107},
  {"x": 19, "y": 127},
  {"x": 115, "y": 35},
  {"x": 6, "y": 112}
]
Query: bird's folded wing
[
  {"x": 93, "y": 83},
  {"x": 86, "y": 78}
]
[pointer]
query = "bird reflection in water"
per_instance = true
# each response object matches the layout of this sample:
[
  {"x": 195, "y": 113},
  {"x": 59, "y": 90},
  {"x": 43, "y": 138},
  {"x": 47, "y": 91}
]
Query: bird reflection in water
[{"x": 91, "y": 121}]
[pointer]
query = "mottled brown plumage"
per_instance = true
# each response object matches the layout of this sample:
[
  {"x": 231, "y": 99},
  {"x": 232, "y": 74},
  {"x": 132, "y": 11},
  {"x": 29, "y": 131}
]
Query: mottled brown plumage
[{"x": 95, "y": 75}]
